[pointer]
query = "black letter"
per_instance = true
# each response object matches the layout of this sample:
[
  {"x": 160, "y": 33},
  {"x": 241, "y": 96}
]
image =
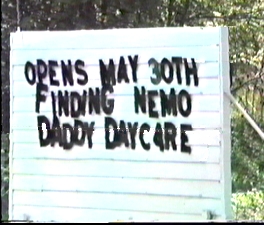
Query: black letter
[
  {"x": 123, "y": 133},
  {"x": 63, "y": 103},
  {"x": 30, "y": 66},
  {"x": 56, "y": 132},
  {"x": 43, "y": 142},
  {"x": 184, "y": 94},
  {"x": 133, "y": 64},
  {"x": 67, "y": 145},
  {"x": 75, "y": 137},
  {"x": 155, "y": 71},
  {"x": 184, "y": 138},
  {"x": 191, "y": 71},
  {"x": 158, "y": 137},
  {"x": 89, "y": 132},
  {"x": 107, "y": 74},
  {"x": 122, "y": 71},
  {"x": 67, "y": 73},
  {"x": 82, "y": 106},
  {"x": 170, "y": 135},
  {"x": 165, "y": 62},
  {"x": 39, "y": 97},
  {"x": 133, "y": 132},
  {"x": 52, "y": 72},
  {"x": 79, "y": 64},
  {"x": 144, "y": 127},
  {"x": 168, "y": 104},
  {"x": 151, "y": 104},
  {"x": 178, "y": 62},
  {"x": 107, "y": 105},
  {"x": 140, "y": 99},
  {"x": 94, "y": 101},
  {"x": 75, "y": 97},
  {"x": 42, "y": 73},
  {"x": 111, "y": 122}
]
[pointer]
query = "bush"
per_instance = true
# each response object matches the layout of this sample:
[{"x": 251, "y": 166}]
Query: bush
[{"x": 249, "y": 205}]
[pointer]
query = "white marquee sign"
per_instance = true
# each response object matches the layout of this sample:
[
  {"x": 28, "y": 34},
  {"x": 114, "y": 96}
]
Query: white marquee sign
[{"x": 122, "y": 124}]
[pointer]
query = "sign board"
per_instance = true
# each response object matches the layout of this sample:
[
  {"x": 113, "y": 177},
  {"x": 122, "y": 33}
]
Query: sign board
[{"x": 122, "y": 124}]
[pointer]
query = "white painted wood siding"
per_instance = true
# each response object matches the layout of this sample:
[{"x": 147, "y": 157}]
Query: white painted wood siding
[{"x": 99, "y": 185}]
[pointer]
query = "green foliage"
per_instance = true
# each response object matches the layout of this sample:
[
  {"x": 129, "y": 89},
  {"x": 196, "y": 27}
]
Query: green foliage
[
  {"x": 4, "y": 173},
  {"x": 249, "y": 205},
  {"x": 247, "y": 155},
  {"x": 4, "y": 162}
]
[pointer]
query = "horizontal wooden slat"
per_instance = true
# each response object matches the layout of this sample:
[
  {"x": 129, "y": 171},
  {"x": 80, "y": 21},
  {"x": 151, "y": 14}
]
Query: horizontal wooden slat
[
  {"x": 141, "y": 203},
  {"x": 209, "y": 103},
  {"x": 116, "y": 38},
  {"x": 195, "y": 137},
  {"x": 205, "y": 153},
  {"x": 206, "y": 87},
  {"x": 203, "y": 189},
  {"x": 144, "y": 72},
  {"x": 106, "y": 168},
  {"x": 198, "y": 120},
  {"x": 92, "y": 56},
  {"x": 79, "y": 215}
]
